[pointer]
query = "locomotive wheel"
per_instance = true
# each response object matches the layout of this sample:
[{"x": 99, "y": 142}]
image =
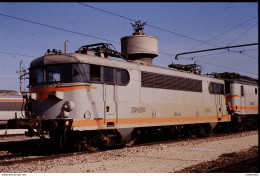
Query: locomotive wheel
[
  {"x": 239, "y": 127},
  {"x": 90, "y": 143},
  {"x": 85, "y": 144},
  {"x": 130, "y": 143},
  {"x": 202, "y": 131},
  {"x": 82, "y": 145}
]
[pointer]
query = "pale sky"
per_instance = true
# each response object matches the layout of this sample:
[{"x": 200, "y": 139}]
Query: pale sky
[{"x": 28, "y": 29}]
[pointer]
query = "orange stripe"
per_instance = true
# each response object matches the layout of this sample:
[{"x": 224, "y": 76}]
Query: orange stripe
[
  {"x": 100, "y": 122},
  {"x": 42, "y": 93},
  {"x": 232, "y": 96},
  {"x": 244, "y": 107},
  {"x": 11, "y": 100}
]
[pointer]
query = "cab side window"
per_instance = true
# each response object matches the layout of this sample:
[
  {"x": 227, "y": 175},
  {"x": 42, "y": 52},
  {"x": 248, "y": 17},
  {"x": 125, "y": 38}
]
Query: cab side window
[
  {"x": 95, "y": 73},
  {"x": 108, "y": 75},
  {"x": 216, "y": 88}
]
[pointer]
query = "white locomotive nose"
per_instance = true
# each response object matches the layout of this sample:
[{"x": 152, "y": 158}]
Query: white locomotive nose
[{"x": 68, "y": 106}]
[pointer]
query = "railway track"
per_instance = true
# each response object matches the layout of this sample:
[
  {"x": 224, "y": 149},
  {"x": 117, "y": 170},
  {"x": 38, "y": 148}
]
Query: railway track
[
  {"x": 45, "y": 153},
  {"x": 12, "y": 132},
  {"x": 248, "y": 165},
  {"x": 30, "y": 150},
  {"x": 17, "y": 158}
]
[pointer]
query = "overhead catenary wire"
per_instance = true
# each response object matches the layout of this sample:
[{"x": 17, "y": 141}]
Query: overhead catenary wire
[
  {"x": 242, "y": 34},
  {"x": 66, "y": 30},
  {"x": 216, "y": 65},
  {"x": 198, "y": 60},
  {"x": 16, "y": 54},
  {"x": 8, "y": 73},
  {"x": 220, "y": 53},
  {"x": 228, "y": 67},
  {"x": 9, "y": 78},
  {"x": 210, "y": 54},
  {"x": 247, "y": 55},
  {"x": 62, "y": 29},
  {"x": 239, "y": 52},
  {"x": 70, "y": 31},
  {"x": 166, "y": 30},
  {"x": 223, "y": 32}
]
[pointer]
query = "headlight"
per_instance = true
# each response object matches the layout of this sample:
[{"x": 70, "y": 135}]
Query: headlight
[{"x": 68, "y": 106}]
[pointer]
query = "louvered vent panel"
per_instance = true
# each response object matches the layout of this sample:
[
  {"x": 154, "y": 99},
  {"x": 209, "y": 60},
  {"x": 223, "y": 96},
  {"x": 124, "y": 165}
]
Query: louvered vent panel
[
  {"x": 147, "y": 79},
  {"x": 170, "y": 82},
  {"x": 155, "y": 80},
  {"x": 180, "y": 83},
  {"x": 159, "y": 81},
  {"x": 190, "y": 85}
]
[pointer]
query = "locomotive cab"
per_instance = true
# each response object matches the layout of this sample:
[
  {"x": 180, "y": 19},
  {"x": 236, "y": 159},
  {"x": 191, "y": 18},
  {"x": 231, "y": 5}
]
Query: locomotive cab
[{"x": 68, "y": 89}]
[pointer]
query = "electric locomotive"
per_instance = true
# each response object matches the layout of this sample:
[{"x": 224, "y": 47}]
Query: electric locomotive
[{"x": 87, "y": 98}]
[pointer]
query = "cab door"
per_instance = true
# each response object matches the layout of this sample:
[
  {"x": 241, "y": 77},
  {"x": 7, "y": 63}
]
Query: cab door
[
  {"x": 110, "y": 96},
  {"x": 109, "y": 101},
  {"x": 218, "y": 100},
  {"x": 242, "y": 100}
]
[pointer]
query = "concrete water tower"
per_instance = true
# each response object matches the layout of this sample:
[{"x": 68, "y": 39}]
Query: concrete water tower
[{"x": 140, "y": 47}]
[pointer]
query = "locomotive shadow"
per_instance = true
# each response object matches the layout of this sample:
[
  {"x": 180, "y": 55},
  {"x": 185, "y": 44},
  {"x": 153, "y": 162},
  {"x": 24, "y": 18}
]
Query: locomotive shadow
[{"x": 28, "y": 147}]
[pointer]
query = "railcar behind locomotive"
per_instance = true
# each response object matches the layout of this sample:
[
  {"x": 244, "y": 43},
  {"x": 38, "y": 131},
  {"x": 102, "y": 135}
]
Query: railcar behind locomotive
[
  {"x": 241, "y": 93},
  {"x": 87, "y": 98},
  {"x": 11, "y": 106}
]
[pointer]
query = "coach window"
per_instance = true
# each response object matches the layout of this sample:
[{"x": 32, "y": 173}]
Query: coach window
[
  {"x": 80, "y": 72},
  {"x": 36, "y": 76},
  {"x": 256, "y": 91},
  {"x": 94, "y": 73},
  {"x": 122, "y": 77}
]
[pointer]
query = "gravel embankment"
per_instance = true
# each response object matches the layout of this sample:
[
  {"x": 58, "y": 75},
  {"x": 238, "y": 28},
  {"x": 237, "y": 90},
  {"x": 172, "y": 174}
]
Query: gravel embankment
[
  {"x": 225, "y": 159},
  {"x": 159, "y": 158}
]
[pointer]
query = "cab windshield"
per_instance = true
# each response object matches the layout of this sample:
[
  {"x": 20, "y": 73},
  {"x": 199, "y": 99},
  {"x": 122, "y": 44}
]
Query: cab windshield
[
  {"x": 36, "y": 76},
  {"x": 50, "y": 74},
  {"x": 58, "y": 73},
  {"x": 78, "y": 72}
]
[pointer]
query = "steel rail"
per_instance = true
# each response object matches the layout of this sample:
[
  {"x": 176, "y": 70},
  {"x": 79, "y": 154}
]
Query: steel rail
[{"x": 237, "y": 167}]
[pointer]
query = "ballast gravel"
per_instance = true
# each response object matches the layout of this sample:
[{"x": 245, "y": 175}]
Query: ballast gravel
[{"x": 158, "y": 158}]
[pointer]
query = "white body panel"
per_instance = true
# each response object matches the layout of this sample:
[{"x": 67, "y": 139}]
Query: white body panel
[
  {"x": 10, "y": 108},
  {"x": 243, "y": 98},
  {"x": 102, "y": 106}
]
